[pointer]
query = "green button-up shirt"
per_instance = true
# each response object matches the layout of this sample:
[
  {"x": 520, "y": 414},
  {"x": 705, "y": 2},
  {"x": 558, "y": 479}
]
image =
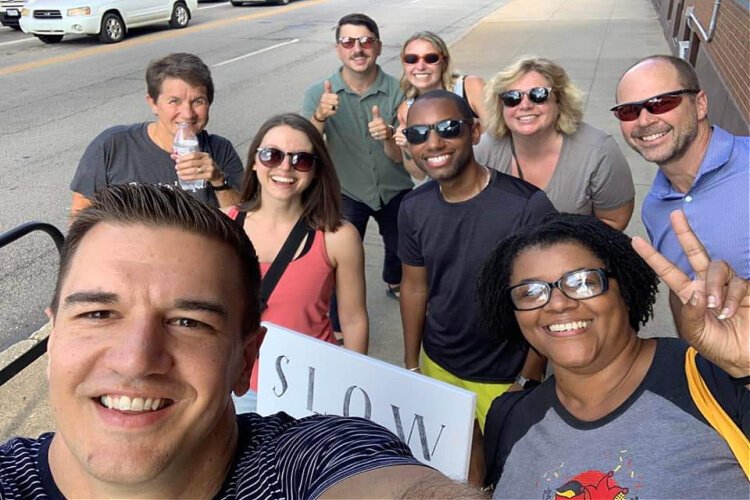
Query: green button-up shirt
[{"x": 365, "y": 171}]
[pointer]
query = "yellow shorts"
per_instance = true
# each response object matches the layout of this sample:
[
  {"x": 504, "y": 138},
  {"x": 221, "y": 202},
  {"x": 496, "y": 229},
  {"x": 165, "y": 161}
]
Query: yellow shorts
[{"x": 486, "y": 391}]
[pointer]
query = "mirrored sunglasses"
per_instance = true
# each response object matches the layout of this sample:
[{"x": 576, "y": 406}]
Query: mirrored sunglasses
[
  {"x": 537, "y": 95},
  {"x": 431, "y": 58},
  {"x": 577, "y": 285},
  {"x": 656, "y": 105},
  {"x": 446, "y": 129},
  {"x": 272, "y": 158},
  {"x": 365, "y": 42}
]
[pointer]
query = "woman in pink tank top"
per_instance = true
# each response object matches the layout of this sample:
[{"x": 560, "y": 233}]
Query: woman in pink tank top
[{"x": 289, "y": 175}]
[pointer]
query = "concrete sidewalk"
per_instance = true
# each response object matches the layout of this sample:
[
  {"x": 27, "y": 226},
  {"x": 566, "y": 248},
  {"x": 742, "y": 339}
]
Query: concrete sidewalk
[{"x": 595, "y": 40}]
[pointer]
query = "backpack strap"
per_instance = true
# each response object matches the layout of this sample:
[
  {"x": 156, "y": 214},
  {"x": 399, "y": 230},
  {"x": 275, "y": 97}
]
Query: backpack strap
[
  {"x": 282, "y": 260},
  {"x": 715, "y": 414}
]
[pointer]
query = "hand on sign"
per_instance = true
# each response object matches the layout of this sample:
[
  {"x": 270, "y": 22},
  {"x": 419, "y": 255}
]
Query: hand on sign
[
  {"x": 712, "y": 312},
  {"x": 379, "y": 129}
]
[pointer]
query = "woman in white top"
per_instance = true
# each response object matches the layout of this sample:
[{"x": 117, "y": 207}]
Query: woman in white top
[
  {"x": 535, "y": 131},
  {"x": 427, "y": 66}
]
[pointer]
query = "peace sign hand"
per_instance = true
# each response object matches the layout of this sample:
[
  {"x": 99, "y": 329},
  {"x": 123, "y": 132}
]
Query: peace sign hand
[{"x": 712, "y": 312}]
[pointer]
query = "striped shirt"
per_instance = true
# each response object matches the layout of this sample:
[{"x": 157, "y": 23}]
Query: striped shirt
[{"x": 278, "y": 457}]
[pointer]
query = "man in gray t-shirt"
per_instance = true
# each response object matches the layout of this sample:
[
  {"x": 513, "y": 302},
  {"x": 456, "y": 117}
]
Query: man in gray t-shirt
[{"x": 180, "y": 90}]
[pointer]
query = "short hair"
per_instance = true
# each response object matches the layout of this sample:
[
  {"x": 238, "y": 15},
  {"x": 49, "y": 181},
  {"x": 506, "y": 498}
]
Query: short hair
[
  {"x": 686, "y": 74},
  {"x": 464, "y": 109},
  {"x": 358, "y": 20},
  {"x": 157, "y": 207},
  {"x": 186, "y": 67},
  {"x": 569, "y": 97},
  {"x": 448, "y": 75},
  {"x": 321, "y": 201},
  {"x": 636, "y": 280}
]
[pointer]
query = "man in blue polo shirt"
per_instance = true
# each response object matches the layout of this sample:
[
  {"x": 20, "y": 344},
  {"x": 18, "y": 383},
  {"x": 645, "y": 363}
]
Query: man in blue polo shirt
[
  {"x": 356, "y": 110},
  {"x": 703, "y": 170}
]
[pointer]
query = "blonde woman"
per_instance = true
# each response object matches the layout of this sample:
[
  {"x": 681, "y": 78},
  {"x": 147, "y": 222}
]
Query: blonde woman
[
  {"x": 427, "y": 66},
  {"x": 535, "y": 132}
]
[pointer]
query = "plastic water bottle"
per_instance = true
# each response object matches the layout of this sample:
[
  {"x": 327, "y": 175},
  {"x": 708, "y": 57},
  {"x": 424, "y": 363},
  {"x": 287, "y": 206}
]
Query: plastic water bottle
[{"x": 185, "y": 142}]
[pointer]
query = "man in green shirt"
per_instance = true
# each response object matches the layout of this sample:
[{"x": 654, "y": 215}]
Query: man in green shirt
[{"x": 356, "y": 110}]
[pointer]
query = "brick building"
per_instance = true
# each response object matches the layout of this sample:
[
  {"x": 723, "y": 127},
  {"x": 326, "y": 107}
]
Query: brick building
[{"x": 714, "y": 35}]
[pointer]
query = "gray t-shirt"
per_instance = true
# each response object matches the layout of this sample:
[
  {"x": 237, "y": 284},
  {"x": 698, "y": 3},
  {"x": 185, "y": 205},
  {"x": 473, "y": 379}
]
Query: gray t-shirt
[
  {"x": 655, "y": 445},
  {"x": 591, "y": 172},
  {"x": 125, "y": 154}
]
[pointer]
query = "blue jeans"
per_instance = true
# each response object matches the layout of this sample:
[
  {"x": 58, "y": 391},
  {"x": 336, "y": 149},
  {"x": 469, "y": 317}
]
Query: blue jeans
[{"x": 359, "y": 214}]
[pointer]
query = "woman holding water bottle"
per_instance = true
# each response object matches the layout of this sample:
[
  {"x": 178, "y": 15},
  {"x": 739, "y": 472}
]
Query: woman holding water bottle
[
  {"x": 290, "y": 180},
  {"x": 180, "y": 93}
]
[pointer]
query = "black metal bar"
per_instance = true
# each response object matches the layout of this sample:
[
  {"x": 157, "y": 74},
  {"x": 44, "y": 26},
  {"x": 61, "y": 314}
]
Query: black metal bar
[{"x": 18, "y": 364}]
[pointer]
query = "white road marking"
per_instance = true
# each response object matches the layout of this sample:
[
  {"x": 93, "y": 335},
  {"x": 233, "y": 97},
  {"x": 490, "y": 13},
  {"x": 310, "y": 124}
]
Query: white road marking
[
  {"x": 212, "y": 6},
  {"x": 222, "y": 63},
  {"x": 19, "y": 41}
]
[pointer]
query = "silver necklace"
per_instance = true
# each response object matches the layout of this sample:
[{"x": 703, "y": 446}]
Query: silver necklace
[{"x": 486, "y": 183}]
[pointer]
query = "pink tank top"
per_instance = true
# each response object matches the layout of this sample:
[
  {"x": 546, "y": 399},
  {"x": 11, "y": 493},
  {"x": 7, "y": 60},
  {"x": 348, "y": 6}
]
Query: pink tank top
[{"x": 302, "y": 296}]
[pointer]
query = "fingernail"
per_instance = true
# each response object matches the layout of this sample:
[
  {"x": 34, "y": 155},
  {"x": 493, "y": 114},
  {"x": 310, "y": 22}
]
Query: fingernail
[
  {"x": 724, "y": 313},
  {"x": 711, "y": 302},
  {"x": 693, "y": 300}
]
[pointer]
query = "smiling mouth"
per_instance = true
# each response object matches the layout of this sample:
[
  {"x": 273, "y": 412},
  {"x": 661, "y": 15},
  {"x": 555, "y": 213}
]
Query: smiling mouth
[
  {"x": 652, "y": 137},
  {"x": 437, "y": 161},
  {"x": 137, "y": 404},
  {"x": 283, "y": 180},
  {"x": 570, "y": 327}
]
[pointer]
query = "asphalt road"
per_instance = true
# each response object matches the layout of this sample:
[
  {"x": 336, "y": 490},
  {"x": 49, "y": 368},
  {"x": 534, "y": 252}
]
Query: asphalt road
[{"x": 56, "y": 98}]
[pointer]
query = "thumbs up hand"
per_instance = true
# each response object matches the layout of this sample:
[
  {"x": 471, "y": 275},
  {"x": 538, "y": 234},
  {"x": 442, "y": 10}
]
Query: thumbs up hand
[
  {"x": 379, "y": 129},
  {"x": 329, "y": 103}
]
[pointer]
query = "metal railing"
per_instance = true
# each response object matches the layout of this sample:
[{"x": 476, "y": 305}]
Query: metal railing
[{"x": 28, "y": 357}]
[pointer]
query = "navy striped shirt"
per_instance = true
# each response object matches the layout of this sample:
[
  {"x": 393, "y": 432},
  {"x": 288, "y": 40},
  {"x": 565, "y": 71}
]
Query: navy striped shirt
[{"x": 277, "y": 457}]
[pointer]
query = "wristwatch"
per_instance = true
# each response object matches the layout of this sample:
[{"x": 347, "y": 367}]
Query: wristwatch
[
  {"x": 526, "y": 383},
  {"x": 224, "y": 186}
]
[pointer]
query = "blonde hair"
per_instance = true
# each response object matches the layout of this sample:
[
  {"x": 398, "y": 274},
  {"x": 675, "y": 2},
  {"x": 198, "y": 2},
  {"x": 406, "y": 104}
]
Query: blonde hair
[
  {"x": 569, "y": 97},
  {"x": 447, "y": 77}
]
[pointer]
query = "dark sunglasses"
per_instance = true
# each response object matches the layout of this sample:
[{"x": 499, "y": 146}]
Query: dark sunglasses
[
  {"x": 431, "y": 58},
  {"x": 537, "y": 95},
  {"x": 364, "y": 41},
  {"x": 446, "y": 129},
  {"x": 577, "y": 285},
  {"x": 656, "y": 105},
  {"x": 272, "y": 158}
]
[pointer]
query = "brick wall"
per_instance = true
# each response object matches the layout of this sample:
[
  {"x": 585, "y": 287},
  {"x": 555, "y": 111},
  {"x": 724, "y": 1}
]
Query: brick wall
[{"x": 723, "y": 64}]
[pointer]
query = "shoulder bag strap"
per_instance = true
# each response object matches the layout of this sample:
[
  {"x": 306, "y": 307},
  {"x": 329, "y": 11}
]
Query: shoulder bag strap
[
  {"x": 715, "y": 414},
  {"x": 282, "y": 260}
]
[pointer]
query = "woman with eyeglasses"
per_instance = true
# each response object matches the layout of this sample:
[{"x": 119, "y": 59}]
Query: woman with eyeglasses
[
  {"x": 623, "y": 416},
  {"x": 535, "y": 132},
  {"x": 290, "y": 176},
  {"x": 427, "y": 66}
]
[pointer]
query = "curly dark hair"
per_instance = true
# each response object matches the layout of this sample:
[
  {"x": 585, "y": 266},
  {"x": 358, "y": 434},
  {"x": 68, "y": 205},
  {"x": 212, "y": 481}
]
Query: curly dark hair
[{"x": 636, "y": 280}]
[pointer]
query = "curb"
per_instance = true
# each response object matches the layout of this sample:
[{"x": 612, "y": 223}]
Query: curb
[{"x": 20, "y": 348}]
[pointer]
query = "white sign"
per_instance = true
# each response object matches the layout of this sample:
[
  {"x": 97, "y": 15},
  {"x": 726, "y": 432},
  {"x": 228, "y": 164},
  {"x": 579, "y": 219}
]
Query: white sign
[{"x": 304, "y": 376}]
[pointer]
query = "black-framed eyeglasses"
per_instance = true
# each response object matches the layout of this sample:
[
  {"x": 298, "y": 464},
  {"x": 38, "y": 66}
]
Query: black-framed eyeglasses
[
  {"x": 365, "y": 42},
  {"x": 301, "y": 161},
  {"x": 581, "y": 284},
  {"x": 537, "y": 95},
  {"x": 662, "y": 103},
  {"x": 445, "y": 129}
]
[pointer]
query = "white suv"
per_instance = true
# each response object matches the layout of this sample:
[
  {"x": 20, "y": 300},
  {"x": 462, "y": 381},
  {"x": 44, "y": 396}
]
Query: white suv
[{"x": 50, "y": 20}]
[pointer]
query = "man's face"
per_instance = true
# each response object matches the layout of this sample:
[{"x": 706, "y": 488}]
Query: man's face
[
  {"x": 442, "y": 159},
  {"x": 178, "y": 102},
  {"x": 145, "y": 350},
  {"x": 665, "y": 137},
  {"x": 358, "y": 59}
]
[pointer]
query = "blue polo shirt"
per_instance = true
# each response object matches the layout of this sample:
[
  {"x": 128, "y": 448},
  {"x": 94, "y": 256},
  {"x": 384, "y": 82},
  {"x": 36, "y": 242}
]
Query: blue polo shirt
[{"x": 717, "y": 205}]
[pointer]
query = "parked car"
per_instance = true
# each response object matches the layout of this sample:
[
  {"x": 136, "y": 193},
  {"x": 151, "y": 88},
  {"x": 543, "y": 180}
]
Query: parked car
[
  {"x": 10, "y": 13},
  {"x": 238, "y": 3},
  {"x": 50, "y": 20}
]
